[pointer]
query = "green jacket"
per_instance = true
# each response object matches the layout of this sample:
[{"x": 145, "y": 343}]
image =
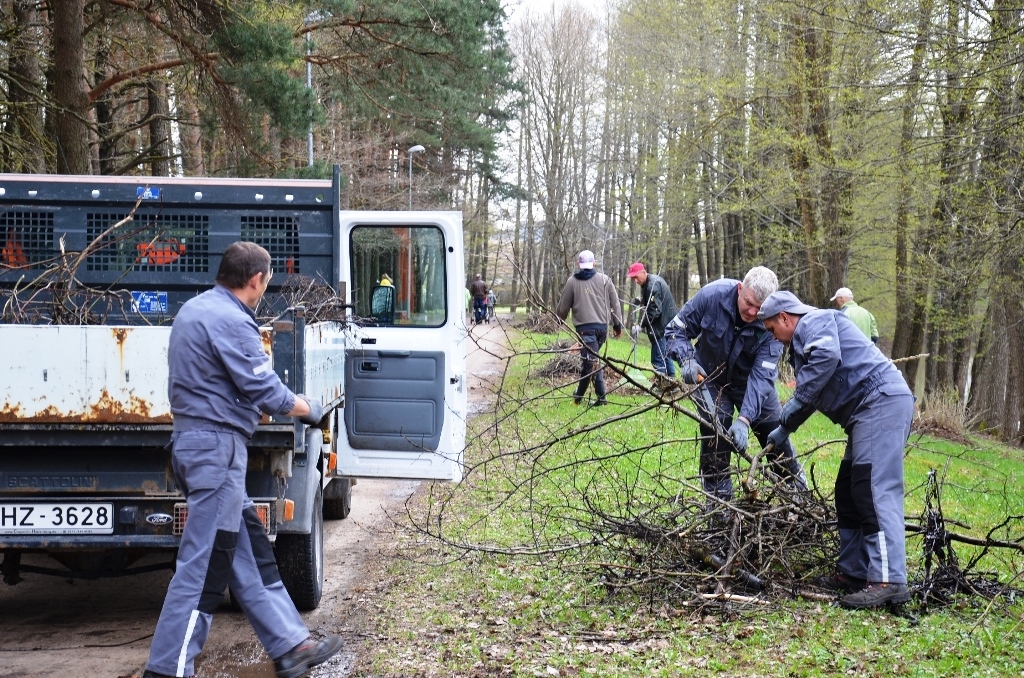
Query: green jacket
[{"x": 862, "y": 318}]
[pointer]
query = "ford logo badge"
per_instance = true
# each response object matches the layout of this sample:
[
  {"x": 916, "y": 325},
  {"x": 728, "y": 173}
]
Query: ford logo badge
[{"x": 158, "y": 519}]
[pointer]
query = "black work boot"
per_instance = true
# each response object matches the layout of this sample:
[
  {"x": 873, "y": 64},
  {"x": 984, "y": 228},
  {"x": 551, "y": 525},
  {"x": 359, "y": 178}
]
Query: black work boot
[
  {"x": 876, "y": 594},
  {"x": 837, "y": 582},
  {"x": 153, "y": 674},
  {"x": 301, "y": 658}
]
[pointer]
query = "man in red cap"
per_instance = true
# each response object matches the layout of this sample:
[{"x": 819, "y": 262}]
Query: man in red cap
[{"x": 657, "y": 308}]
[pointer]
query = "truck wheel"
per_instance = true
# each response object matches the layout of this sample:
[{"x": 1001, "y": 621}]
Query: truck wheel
[
  {"x": 300, "y": 559},
  {"x": 338, "y": 499}
]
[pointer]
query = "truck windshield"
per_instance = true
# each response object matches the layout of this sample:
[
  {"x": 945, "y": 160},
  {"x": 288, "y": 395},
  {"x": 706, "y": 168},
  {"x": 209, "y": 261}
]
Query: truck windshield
[{"x": 398, "y": 275}]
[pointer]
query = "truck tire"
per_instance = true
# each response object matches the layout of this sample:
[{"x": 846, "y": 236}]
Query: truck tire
[
  {"x": 338, "y": 499},
  {"x": 300, "y": 559}
]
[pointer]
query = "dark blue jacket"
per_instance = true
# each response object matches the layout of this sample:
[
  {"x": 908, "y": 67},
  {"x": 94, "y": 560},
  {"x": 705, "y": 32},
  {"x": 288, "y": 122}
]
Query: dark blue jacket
[
  {"x": 836, "y": 365},
  {"x": 218, "y": 370},
  {"x": 658, "y": 305},
  {"x": 742, "y": 358}
]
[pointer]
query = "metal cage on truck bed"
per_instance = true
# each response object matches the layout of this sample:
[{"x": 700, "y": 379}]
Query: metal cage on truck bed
[{"x": 132, "y": 250}]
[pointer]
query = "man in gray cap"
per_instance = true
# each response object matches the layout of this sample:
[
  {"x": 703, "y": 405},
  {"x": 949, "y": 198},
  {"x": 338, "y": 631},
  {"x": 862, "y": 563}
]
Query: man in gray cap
[
  {"x": 742, "y": 359},
  {"x": 860, "y": 316},
  {"x": 842, "y": 374},
  {"x": 594, "y": 303}
]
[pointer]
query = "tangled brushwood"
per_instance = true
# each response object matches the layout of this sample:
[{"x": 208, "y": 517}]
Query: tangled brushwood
[
  {"x": 631, "y": 512},
  {"x": 767, "y": 542}
]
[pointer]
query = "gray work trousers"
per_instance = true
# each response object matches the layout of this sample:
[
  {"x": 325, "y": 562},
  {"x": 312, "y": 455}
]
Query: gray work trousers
[
  {"x": 869, "y": 486},
  {"x": 223, "y": 543},
  {"x": 716, "y": 452}
]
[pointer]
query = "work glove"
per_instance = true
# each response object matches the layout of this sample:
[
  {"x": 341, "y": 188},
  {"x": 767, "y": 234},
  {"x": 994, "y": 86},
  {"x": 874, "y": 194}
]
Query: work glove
[
  {"x": 690, "y": 370},
  {"x": 794, "y": 413},
  {"x": 740, "y": 434},
  {"x": 777, "y": 438},
  {"x": 634, "y": 331},
  {"x": 316, "y": 412}
]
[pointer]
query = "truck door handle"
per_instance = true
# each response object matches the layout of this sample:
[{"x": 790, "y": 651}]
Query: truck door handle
[
  {"x": 369, "y": 366},
  {"x": 394, "y": 354}
]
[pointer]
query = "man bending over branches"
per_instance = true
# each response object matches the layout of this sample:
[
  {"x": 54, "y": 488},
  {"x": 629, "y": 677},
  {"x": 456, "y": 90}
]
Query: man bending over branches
[
  {"x": 840, "y": 372},
  {"x": 742, "y": 358}
]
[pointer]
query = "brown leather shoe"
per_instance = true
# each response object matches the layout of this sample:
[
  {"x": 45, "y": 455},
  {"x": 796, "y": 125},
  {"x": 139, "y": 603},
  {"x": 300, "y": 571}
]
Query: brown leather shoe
[
  {"x": 837, "y": 582},
  {"x": 301, "y": 658},
  {"x": 876, "y": 594}
]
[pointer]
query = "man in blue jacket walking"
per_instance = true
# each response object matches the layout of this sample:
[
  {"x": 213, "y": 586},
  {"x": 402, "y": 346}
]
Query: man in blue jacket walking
[
  {"x": 741, "y": 357},
  {"x": 842, "y": 373}
]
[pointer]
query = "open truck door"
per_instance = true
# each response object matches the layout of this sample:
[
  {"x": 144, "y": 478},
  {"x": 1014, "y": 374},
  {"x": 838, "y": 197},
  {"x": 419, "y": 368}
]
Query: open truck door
[{"x": 404, "y": 412}]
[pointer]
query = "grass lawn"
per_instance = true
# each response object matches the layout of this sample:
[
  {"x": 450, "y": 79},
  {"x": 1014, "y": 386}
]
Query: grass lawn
[{"x": 509, "y": 580}]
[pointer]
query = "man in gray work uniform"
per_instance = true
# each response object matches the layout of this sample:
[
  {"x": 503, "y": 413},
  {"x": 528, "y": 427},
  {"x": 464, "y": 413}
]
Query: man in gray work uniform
[
  {"x": 220, "y": 380},
  {"x": 742, "y": 359},
  {"x": 840, "y": 372}
]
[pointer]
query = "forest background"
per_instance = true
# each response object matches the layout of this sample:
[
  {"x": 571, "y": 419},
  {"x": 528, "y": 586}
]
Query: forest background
[{"x": 863, "y": 143}]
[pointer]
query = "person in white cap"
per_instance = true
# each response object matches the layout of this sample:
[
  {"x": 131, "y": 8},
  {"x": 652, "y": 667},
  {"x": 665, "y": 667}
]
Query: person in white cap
[
  {"x": 842, "y": 374},
  {"x": 860, "y": 316},
  {"x": 594, "y": 303}
]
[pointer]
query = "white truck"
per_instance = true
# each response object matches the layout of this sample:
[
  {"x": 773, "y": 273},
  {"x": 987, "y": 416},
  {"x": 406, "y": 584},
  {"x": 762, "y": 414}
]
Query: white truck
[{"x": 92, "y": 271}]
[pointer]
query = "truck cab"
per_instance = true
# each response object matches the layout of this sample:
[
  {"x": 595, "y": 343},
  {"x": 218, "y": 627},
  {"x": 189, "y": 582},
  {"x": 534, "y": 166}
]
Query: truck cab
[{"x": 364, "y": 312}]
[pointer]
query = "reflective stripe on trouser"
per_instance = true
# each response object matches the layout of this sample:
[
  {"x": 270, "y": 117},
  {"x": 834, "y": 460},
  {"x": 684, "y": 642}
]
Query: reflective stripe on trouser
[
  {"x": 591, "y": 369},
  {"x": 716, "y": 453},
  {"x": 219, "y": 547},
  {"x": 869, "y": 489}
]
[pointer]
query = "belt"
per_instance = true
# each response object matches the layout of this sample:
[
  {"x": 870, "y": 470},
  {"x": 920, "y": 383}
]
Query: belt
[{"x": 183, "y": 422}]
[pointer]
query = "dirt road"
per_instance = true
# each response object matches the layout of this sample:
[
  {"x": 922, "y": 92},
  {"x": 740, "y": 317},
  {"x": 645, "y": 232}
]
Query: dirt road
[{"x": 55, "y": 627}]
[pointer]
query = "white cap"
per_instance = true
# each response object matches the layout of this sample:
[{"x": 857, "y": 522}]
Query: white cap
[
  {"x": 586, "y": 259},
  {"x": 842, "y": 292}
]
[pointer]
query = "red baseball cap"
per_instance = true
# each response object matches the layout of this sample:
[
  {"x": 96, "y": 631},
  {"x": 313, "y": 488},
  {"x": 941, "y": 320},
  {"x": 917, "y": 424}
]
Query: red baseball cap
[{"x": 635, "y": 270}]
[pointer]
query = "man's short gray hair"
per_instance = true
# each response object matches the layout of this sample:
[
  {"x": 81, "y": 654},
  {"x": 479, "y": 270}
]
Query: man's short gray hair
[{"x": 762, "y": 281}]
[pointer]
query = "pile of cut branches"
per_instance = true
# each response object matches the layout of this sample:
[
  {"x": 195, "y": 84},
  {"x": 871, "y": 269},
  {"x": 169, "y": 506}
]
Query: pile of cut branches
[
  {"x": 543, "y": 323},
  {"x": 632, "y": 514}
]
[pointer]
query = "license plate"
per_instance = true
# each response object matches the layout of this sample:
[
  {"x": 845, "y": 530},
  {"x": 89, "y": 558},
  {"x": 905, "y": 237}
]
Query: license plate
[{"x": 56, "y": 518}]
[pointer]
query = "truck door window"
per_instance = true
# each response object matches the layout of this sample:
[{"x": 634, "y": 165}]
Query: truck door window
[{"x": 411, "y": 260}]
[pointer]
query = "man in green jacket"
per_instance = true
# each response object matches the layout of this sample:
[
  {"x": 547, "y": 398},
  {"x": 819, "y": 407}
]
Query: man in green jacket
[{"x": 860, "y": 316}]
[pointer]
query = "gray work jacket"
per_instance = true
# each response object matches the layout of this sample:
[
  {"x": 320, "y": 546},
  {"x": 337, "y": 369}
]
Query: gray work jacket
[
  {"x": 218, "y": 370},
  {"x": 836, "y": 365}
]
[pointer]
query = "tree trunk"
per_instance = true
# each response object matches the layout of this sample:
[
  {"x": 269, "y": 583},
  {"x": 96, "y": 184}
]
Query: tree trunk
[
  {"x": 159, "y": 128},
  {"x": 26, "y": 139},
  {"x": 904, "y": 283},
  {"x": 191, "y": 143},
  {"x": 69, "y": 87}
]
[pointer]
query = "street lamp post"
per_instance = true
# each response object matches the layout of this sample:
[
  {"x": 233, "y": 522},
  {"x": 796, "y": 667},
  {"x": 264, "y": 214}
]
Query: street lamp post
[
  {"x": 309, "y": 86},
  {"x": 412, "y": 151}
]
